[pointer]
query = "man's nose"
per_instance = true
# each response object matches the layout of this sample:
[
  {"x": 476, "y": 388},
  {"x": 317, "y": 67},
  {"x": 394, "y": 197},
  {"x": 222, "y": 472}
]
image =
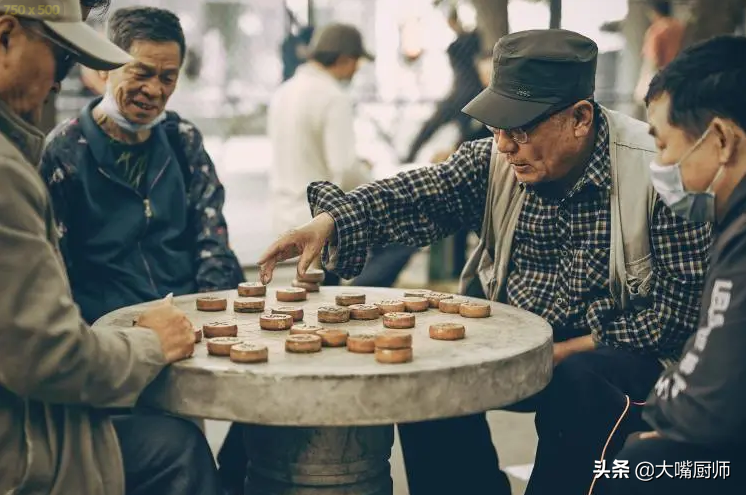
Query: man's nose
[{"x": 505, "y": 143}]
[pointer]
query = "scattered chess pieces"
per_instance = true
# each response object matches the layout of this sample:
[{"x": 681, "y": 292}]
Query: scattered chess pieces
[
  {"x": 398, "y": 320},
  {"x": 221, "y": 346},
  {"x": 475, "y": 310},
  {"x": 350, "y": 298},
  {"x": 312, "y": 276},
  {"x": 248, "y": 305},
  {"x": 251, "y": 289},
  {"x": 309, "y": 286},
  {"x": 219, "y": 329},
  {"x": 212, "y": 303},
  {"x": 295, "y": 312},
  {"x": 447, "y": 331},
  {"x": 416, "y": 304},
  {"x": 435, "y": 297},
  {"x": 391, "y": 306},
  {"x": 364, "y": 312},
  {"x": 364, "y": 343},
  {"x": 450, "y": 306},
  {"x": 303, "y": 344},
  {"x": 393, "y": 347},
  {"x": 249, "y": 353},
  {"x": 331, "y": 337},
  {"x": 292, "y": 294},
  {"x": 197, "y": 335},
  {"x": 333, "y": 314},
  {"x": 304, "y": 329},
  {"x": 417, "y": 293},
  {"x": 275, "y": 322}
]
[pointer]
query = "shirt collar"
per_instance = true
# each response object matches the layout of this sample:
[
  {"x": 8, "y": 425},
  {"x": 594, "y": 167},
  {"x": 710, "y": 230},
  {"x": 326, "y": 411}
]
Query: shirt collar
[{"x": 598, "y": 170}]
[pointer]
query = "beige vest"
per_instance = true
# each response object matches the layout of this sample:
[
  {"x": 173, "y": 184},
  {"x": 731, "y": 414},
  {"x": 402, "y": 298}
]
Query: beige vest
[{"x": 632, "y": 201}]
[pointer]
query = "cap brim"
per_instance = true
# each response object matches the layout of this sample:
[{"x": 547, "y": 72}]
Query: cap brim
[
  {"x": 92, "y": 48},
  {"x": 503, "y": 112},
  {"x": 369, "y": 56}
]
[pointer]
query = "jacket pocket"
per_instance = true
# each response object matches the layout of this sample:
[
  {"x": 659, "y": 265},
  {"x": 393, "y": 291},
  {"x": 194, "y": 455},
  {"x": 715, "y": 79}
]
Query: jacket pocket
[{"x": 639, "y": 281}]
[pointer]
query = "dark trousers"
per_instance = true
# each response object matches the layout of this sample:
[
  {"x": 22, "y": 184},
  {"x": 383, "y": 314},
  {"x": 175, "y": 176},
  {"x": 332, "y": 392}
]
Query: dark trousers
[
  {"x": 674, "y": 468},
  {"x": 577, "y": 411},
  {"x": 448, "y": 110},
  {"x": 574, "y": 415},
  {"x": 164, "y": 455}
]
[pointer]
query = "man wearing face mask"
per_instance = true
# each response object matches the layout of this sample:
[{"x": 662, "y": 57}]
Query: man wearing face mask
[
  {"x": 136, "y": 197},
  {"x": 697, "y": 114},
  {"x": 570, "y": 229},
  {"x": 59, "y": 378}
]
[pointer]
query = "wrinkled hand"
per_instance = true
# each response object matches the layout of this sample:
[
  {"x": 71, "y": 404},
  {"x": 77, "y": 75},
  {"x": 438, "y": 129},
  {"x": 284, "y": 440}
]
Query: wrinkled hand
[
  {"x": 173, "y": 328},
  {"x": 306, "y": 242}
]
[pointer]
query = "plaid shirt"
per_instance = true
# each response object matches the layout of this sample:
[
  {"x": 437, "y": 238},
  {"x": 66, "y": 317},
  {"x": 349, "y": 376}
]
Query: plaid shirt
[{"x": 560, "y": 261}]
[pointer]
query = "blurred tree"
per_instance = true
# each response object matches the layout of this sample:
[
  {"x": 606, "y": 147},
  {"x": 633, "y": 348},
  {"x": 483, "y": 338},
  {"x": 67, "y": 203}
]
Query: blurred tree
[
  {"x": 492, "y": 21},
  {"x": 555, "y": 14},
  {"x": 706, "y": 21}
]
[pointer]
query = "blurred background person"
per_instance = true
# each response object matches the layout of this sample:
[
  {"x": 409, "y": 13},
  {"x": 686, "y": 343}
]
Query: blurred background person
[
  {"x": 663, "y": 41},
  {"x": 311, "y": 128},
  {"x": 462, "y": 56}
]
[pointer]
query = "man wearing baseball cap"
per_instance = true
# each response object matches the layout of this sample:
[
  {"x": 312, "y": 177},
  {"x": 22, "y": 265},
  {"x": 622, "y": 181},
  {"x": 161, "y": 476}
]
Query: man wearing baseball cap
[
  {"x": 59, "y": 378},
  {"x": 547, "y": 194}
]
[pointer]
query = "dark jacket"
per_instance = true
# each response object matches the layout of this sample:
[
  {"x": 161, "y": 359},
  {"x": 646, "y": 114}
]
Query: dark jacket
[
  {"x": 122, "y": 246},
  {"x": 701, "y": 400}
]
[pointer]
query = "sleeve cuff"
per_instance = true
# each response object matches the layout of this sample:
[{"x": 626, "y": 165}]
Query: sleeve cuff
[{"x": 346, "y": 255}]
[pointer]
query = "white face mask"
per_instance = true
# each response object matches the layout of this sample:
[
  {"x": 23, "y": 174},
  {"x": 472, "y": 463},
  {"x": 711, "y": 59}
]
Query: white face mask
[
  {"x": 109, "y": 107},
  {"x": 694, "y": 206}
]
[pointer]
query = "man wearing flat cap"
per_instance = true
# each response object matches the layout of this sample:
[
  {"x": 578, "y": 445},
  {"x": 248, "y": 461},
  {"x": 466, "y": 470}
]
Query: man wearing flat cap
[
  {"x": 570, "y": 229},
  {"x": 60, "y": 380}
]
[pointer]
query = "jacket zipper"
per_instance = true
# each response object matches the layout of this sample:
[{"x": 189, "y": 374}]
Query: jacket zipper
[{"x": 148, "y": 210}]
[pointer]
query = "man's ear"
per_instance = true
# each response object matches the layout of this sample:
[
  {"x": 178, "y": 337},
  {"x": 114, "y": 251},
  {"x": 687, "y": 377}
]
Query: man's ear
[
  {"x": 727, "y": 140},
  {"x": 582, "y": 115},
  {"x": 103, "y": 74},
  {"x": 8, "y": 24}
]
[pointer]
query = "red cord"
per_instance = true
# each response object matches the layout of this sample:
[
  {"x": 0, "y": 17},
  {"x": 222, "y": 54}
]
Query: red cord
[{"x": 611, "y": 435}]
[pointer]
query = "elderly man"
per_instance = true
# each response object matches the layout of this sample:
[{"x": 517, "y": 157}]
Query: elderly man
[
  {"x": 697, "y": 114},
  {"x": 548, "y": 196},
  {"x": 57, "y": 375},
  {"x": 137, "y": 198}
]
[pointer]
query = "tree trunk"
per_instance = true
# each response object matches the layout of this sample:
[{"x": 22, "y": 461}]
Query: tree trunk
[
  {"x": 492, "y": 21},
  {"x": 555, "y": 14},
  {"x": 706, "y": 21}
]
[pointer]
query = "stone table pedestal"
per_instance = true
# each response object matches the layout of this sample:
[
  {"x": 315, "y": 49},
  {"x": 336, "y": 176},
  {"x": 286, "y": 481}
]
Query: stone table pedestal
[{"x": 322, "y": 423}]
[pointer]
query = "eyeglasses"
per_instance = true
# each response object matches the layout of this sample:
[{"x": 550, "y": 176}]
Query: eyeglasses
[
  {"x": 517, "y": 134},
  {"x": 520, "y": 134}
]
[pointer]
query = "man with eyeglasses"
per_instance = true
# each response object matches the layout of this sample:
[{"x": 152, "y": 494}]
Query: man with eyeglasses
[
  {"x": 570, "y": 229},
  {"x": 59, "y": 378}
]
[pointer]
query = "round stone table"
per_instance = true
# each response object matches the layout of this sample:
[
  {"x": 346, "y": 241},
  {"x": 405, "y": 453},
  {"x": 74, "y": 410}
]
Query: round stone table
[{"x": 322, "y": 423}]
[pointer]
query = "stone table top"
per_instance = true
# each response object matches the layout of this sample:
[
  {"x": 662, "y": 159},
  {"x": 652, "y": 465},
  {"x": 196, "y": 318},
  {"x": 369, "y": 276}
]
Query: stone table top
[{"x": 503, "y": 359}]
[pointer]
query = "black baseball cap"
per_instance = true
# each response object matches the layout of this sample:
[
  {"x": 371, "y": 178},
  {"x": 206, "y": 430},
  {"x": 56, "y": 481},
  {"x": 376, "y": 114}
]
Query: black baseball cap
[
  {"x": 535, "y": 73},
  {"x": 339, "y": 39}
]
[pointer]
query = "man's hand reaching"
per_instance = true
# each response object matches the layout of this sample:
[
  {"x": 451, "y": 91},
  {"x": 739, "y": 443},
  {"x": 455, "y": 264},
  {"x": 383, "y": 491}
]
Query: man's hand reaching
[{"x": 306, "y": 242}]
